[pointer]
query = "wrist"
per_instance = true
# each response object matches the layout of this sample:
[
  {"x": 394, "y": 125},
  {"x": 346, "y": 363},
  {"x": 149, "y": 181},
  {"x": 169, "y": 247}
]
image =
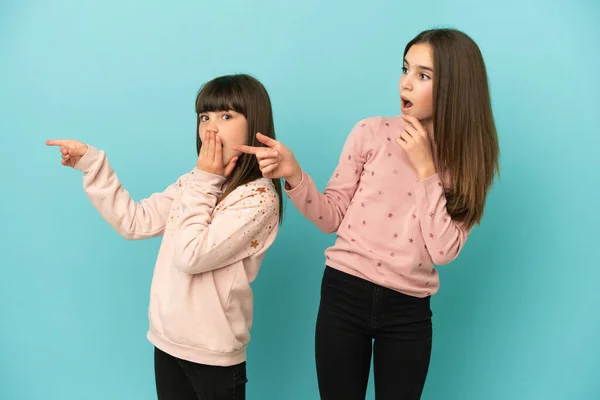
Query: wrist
[
  {"x": 208, "y": 170},
  {"x": 294, "y": 180},
  {"x": 426, "y": 172}
]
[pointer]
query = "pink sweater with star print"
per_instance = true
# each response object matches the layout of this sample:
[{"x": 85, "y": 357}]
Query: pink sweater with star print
[
  {"x": 201, "y": 303},
  {"x": 391, "y": 228}
]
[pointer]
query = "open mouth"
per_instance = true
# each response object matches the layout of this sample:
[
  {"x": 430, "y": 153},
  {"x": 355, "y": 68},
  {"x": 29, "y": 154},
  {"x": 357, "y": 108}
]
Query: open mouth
[{"x": 406, "y": 104}]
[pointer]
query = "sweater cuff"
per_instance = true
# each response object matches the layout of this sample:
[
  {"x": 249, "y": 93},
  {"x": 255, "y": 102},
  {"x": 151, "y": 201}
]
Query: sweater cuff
[
  {"x": 206, "y": 178},
  {"x": 299, "y": 189},
  {"x": 434, "y": 179}
]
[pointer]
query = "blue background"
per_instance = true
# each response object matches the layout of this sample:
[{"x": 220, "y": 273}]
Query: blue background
[{"x": 517, "y": 314}]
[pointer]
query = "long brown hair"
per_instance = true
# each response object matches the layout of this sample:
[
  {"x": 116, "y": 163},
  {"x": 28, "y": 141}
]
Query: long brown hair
[
  {"x": 464, "y": 128},
  {"x": 247, "y": 96}
]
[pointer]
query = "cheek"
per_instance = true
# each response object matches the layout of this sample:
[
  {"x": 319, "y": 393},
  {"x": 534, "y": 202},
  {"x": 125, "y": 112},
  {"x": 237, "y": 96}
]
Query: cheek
[
  {"x": 239, "y": 136},
  {"x": 230, "y": 139},
  {"x": 426, "y": 96},
  {"x": 233, "y": 140},
  {"x": 429, "y": 92}
]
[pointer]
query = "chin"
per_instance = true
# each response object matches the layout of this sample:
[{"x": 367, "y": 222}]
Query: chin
[
  {"x": 416, "y": 114},
  {"x": 412, "y": 113}
]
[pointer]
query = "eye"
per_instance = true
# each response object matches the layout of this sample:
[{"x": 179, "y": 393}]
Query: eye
[
  {"x": 203, "y": 118},
  {"x": 227, "y": 116},
  {"x": 404, "y": 70},
  {"x": 425, "y": 77}
]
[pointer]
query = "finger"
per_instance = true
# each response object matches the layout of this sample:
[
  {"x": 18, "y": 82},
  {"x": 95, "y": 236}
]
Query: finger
[
  {"x": 230, "y": 166},
  {"x": 411, "y": 131},
  {"x": 203, "y": 147},
  {"x": 410, "y": 119},
  {"x": 66, "y": 156},
  {"x": 64, "y": 150},
  {"x": 266, "y": 162},
  {"x": 266, "y": 140},
  {"x": 268, "y": 170},
  {"x": 266, "y": 153},
  {"x": 414, "y": 123},
  {"x": 56, "y": 142},
  {"x": 219, "y": 150},
  {"x": 247, "y": 149},
  {"x": 210, "y": 147},
  {"x": 402, "y": 144},
  {"x": 406, "y": 137},
  {"x": 402, "y": 141}
]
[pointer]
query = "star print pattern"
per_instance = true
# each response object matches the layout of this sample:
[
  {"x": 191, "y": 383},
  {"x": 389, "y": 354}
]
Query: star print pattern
[
  {"x": 233, "y": 231},
  {"x": 394, "y": 212}
]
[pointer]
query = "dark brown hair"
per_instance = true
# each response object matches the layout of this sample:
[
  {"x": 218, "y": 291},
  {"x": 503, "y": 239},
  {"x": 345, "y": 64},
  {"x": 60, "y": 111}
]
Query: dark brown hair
[
  {"x": 464, "y": 128},
  {"x": 246, "y": 95}
]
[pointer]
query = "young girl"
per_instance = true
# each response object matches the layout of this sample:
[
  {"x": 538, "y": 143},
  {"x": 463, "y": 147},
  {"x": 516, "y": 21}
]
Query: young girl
[
  {"x": 217, "y": 221},
  {"x": 404, "y": 197}
]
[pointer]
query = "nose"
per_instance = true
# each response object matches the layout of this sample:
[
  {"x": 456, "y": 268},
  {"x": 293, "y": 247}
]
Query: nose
[
  {"x": 405, "y": 82},
  {"x": 212, "y": 127}
]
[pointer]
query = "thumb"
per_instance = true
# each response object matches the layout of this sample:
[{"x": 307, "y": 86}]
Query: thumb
[
  {"x": 230, "y": 166},
  {"x": 266, "y": 140}
]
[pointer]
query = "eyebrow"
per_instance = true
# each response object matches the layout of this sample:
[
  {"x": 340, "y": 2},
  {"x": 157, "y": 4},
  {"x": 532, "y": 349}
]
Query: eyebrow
[{"x": 420, "y": 66}]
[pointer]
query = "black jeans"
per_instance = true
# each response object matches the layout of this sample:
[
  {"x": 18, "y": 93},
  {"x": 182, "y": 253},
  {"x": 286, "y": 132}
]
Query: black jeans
[
  {"x": 178, "y": 379},
  {"x": 358, "y": 319}
]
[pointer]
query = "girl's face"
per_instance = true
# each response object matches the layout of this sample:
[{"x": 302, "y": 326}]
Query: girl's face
[
  {"x": 230, "y": 126},
  {"x": 416, "y": 83}
]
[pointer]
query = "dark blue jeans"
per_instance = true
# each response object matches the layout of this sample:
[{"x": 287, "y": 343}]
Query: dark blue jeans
[
  {"x": 178, "y": 379},
  {"x": 358, "y": 319}
]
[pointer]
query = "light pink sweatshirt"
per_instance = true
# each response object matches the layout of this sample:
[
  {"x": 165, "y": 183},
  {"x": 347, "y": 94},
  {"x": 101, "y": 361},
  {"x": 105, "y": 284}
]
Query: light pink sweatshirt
[
  {"x": 201, "y": 303},
  {"x": 391, "y": 228}
]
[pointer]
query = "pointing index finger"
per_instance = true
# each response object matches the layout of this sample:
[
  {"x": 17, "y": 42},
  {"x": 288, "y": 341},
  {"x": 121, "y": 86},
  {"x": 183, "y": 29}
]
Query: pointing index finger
[
  {"x": 247, "y": 149},
  {"x": 56, "y": 142},
  {"x": 264, "y": 139}
]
